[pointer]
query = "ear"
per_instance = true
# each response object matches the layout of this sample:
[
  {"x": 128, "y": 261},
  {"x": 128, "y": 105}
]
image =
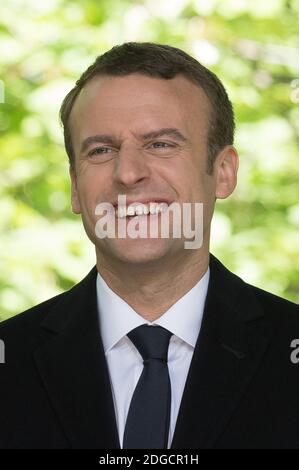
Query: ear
[
  {"x": 226, "y": 169},
  {"x": 74, "y": 192}
]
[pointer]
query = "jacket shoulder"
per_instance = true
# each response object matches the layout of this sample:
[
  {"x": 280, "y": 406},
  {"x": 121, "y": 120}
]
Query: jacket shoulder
[
  {"x": 30, "y": 317},
  {"x": 281, "y": 315},
  {"x": 35, "y": 315},
  {"x": 233, "y": 286},
  {"x": 275, "y": 304}
]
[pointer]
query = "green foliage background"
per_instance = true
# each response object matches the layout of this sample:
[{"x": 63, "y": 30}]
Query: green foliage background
[{"x": 44, "y": 46}]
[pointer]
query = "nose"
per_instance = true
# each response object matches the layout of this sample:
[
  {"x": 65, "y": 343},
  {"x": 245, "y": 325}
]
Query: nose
[{"x": 130, "y": 167}]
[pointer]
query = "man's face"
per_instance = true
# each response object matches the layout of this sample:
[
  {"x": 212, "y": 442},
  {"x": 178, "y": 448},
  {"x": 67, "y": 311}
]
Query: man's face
[{"x": 131, "y": 159}]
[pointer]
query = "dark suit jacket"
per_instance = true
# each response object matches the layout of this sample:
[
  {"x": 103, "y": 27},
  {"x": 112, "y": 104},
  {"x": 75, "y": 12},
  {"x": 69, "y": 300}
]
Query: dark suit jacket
[{"x": 242, "y": 390}]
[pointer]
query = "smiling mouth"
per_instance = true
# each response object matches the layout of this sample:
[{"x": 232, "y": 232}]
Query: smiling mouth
[{"x": 152, "y": 208}]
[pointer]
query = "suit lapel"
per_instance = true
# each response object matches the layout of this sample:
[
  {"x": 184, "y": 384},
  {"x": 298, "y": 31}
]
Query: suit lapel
[
  {"x": 229, "y": 349},
  {"x": 73, "y": 369}
]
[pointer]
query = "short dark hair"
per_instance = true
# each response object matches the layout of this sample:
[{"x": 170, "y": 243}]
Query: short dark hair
[{"x": 164, "y": 61}]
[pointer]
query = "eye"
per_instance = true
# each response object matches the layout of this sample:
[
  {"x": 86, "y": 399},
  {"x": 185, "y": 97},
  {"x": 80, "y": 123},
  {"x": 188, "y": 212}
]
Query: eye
[
  {"x": 161, "y": 144},
  {"x": 99, "y": 151}
]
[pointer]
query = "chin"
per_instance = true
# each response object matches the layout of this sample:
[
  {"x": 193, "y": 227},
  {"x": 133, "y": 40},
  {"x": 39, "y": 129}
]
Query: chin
[{"x": 139, "y": 251}]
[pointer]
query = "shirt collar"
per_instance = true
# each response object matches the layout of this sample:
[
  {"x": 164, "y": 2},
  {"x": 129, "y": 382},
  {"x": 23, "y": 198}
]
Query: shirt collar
[{"x": 183, "y": 318}]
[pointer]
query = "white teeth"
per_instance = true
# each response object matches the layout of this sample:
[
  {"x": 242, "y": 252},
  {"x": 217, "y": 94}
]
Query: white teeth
[
  {"x": 139, "y": 210},
  {"x": 151, "y": 208},
  {"x": 130, "y": 210}
]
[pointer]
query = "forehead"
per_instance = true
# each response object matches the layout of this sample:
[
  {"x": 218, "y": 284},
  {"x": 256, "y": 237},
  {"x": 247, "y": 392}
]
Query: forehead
[{"x": 137, "y": 101}]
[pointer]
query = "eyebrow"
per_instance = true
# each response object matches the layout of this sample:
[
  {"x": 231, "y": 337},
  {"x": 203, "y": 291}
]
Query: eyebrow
[{"x": 109, "y": 139}]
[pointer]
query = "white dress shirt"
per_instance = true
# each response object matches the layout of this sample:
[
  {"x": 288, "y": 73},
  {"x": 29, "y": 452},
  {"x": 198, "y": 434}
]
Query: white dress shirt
[{"x": 125, "y": 364}]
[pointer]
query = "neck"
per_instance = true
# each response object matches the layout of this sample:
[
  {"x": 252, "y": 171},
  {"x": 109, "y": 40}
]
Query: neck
[{"x": 152, "y": 290}]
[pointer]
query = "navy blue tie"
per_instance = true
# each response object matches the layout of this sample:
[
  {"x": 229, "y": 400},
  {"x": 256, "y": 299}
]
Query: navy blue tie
[{"x": 147, "y": 424}]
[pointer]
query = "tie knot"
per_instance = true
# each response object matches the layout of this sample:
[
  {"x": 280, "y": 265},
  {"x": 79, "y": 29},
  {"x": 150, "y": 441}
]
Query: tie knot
[{"x": 151, "y": 341}]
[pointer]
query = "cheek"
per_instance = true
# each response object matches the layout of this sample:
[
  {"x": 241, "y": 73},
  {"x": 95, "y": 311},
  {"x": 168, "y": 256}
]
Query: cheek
[
  {"x": 90, "y": 184},
  {"x": 191, "y": 184},
  {"x": 179, "y": 174},
  {"x": 87, "y": 195}
]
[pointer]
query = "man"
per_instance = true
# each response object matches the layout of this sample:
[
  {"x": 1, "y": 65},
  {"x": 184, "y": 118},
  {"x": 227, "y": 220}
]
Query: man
[{"x": 160, "y": 345}]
